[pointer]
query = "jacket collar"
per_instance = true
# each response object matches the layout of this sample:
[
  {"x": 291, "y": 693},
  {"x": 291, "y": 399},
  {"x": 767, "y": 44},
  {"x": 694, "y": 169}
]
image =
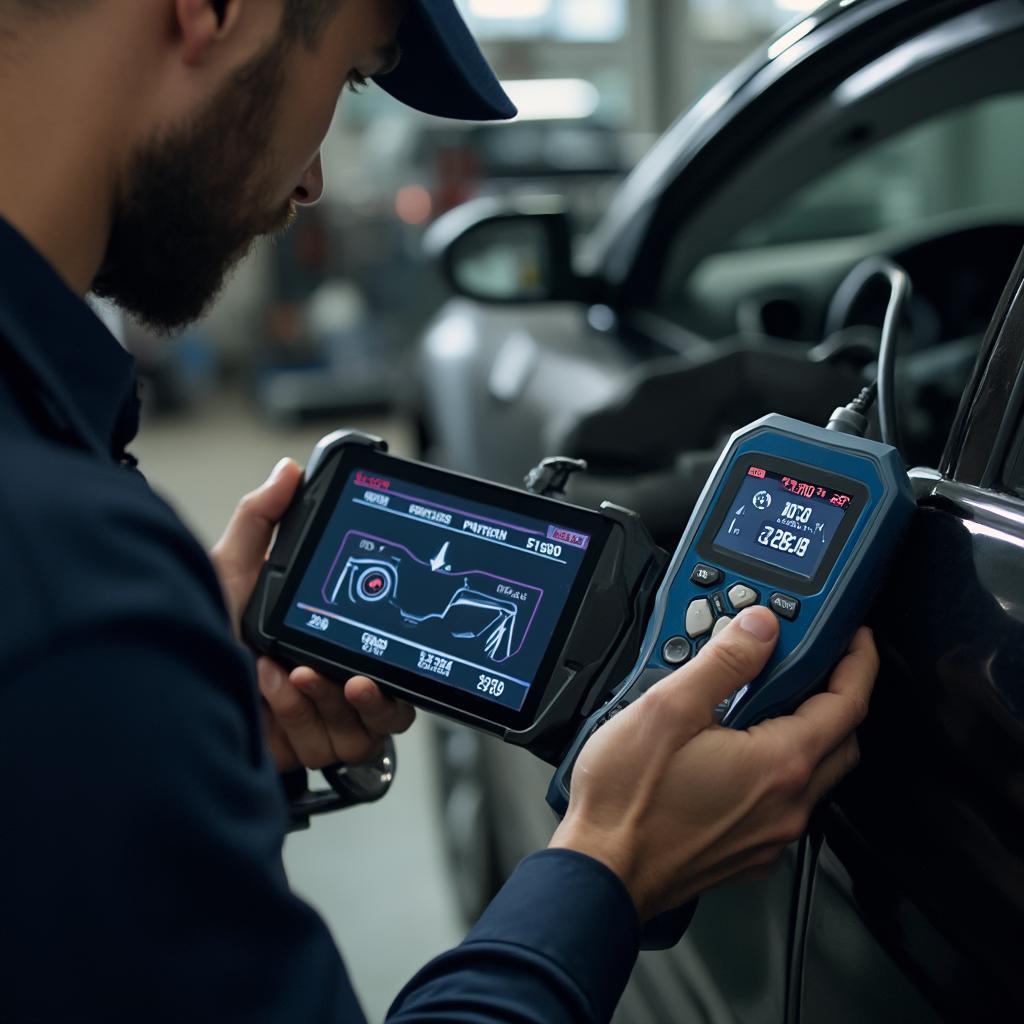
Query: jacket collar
[{"x": 85, "y": 380}]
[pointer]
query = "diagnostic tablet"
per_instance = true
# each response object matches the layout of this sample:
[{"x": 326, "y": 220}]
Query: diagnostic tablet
[{"x": 457, "y": 594}]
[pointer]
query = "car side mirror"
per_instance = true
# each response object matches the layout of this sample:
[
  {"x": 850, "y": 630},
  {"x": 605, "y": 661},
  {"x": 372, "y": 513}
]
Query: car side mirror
[{"x": 512, "y": 250}]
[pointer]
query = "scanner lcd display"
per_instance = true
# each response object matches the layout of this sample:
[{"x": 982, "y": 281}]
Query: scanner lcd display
[
  {"x": 465, "y": 594},
  {"x": 784, "y": 521}
]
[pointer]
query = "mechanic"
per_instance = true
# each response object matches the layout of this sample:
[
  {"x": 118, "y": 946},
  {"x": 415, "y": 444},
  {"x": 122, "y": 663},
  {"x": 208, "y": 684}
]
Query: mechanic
[{"x": 146, "y": 143}]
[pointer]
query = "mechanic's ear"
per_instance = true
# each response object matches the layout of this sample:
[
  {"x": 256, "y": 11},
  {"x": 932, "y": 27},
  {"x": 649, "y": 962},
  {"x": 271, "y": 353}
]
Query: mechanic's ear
[{"x": 202, "y": 23}]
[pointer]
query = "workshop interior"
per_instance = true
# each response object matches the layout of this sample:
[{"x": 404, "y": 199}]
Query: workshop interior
[{"x": 730, "y": 314}]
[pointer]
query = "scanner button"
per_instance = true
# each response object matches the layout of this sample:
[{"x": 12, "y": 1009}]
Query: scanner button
[
  {"x": 718, "y": 603},
  {"x": 720, "y": 625},
  {"x": 741, "y": 596},
  {"x": 699, "y": 619},
  {"x": 784, "y": 606},
  {"x": 676, "y": 650},
  {"x": 705, "y": 575}
]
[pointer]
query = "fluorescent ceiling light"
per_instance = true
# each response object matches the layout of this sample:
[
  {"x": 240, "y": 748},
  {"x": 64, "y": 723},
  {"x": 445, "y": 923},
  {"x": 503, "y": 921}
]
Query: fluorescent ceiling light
[
  {"x": 802, "y": 6},
  {"x": 592, "y": 19},
  {"x": 545, "y": 99},
  {"x": 511, "y": 9}
]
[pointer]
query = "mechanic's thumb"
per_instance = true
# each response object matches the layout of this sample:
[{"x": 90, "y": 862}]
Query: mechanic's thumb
[
  {"x": 731, "y": 660},
  {"x": 247, "y": 537}
]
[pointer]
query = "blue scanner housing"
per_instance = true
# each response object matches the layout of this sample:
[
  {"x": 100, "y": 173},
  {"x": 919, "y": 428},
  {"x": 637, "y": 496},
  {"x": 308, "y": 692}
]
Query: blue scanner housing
[{"x": 819, "y": 607}]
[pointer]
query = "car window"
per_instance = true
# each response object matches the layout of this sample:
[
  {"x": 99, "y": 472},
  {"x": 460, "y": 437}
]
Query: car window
[
  {"x": 954, "y": 170},
  {"x": 961, "y": 161},
  {"x": 942, "y": 195},
  {"x": 1013, "y": 477}
]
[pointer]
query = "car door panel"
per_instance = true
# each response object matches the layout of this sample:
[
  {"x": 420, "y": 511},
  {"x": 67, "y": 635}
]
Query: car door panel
[
  {"x": 848, "y": 976},
  {"x": 936, "y": 866}
]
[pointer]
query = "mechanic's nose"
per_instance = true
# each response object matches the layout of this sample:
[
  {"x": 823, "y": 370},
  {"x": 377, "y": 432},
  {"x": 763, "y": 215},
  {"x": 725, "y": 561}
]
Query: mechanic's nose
[{"x": 311, "y": 189}]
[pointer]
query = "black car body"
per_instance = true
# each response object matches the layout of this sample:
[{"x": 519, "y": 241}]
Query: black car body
[{"x": 906, "y": 901}]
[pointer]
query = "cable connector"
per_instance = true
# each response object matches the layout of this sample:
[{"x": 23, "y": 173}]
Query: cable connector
[
  {"x": 853, "y": 418},
  {"x": 551, "y": 477}
]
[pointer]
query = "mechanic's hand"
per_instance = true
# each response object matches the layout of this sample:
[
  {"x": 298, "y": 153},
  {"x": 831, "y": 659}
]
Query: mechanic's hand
[
  {"x": 310, "y": 720},
  {"x": 675, "y": 804},
  {"x": 239, "y": 554}
]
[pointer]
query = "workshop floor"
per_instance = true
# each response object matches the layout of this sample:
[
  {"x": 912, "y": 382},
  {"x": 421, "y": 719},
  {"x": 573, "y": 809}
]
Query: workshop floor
[{"x": 375, "y": 873}]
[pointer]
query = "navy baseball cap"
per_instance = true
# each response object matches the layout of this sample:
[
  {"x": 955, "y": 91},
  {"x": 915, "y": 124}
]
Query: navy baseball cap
[{"x": 442, "y": 70}]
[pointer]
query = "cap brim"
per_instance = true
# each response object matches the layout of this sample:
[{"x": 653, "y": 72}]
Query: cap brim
[{"x": 442, "y": 70}]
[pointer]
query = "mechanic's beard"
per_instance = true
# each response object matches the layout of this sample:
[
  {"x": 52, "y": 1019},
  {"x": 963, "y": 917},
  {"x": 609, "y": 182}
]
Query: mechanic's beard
[{"x": 189, "y": 214}]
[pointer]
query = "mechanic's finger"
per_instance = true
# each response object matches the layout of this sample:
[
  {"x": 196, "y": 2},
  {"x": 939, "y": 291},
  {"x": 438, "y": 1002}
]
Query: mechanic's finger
[
  {"x": 381, "y": 714},
  {"x": 732, "y": 659},
  {"x": 328, "y": 697},
  {"x": 296, "y": 714},
  {"x": 833, "y": 769},
  {"x": 832, "y": 716},
  {"x": 855, "y": 675},
  {"x": 244, "y": 543},
  {"x": 350, "y": 740}
]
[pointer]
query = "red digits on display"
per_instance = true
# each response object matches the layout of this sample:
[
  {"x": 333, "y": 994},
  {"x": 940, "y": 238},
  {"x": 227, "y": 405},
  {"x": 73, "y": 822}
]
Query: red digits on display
[
  {"x": 798, "y": 487},
  {"x": 376, "y": 482},
  {"x": 805, "y": 490}
]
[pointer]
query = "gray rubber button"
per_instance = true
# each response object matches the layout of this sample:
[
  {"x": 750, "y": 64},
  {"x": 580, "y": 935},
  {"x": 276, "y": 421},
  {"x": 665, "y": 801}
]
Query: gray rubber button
[
  {"x": 699, "y": 618},
  {"x": 720, "y": 625},
  {"x": 676, "y": 650},
  {"x": 742, "y": 596}
]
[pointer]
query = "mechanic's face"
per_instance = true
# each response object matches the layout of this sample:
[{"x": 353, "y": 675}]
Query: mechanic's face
[{"x": 197, "y": 196}]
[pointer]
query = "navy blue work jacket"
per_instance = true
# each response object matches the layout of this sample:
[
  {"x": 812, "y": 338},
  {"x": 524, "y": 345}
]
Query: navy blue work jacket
[{"x": 142, "y": 819}]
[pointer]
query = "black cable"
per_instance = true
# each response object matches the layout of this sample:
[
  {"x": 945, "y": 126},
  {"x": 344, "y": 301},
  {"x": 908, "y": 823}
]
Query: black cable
[
  {"x": 888, "y": 419},
  {"x": 852, "y": 419}
]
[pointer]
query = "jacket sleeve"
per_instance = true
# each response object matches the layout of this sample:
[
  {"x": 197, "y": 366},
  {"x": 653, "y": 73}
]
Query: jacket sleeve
[
  {"x": 556, "y": 945},
  {"x": 143, "y": 827},
  {"x": 142, "y": 856}
]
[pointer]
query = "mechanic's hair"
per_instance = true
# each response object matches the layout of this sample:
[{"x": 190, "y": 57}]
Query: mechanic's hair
[{"x": 303, "y": 19}]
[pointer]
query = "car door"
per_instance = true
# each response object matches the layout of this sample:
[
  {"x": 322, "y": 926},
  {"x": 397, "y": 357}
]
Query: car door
[{"x": 911, "y": 900}]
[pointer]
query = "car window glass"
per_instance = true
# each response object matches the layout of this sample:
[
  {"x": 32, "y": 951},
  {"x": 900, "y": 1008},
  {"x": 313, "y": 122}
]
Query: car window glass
[
  {"x": 1011, "y": 480},
  {"x": 964, "y": 160},
  {"x": 962, "y": 165},
  {"x": 943, "y": 196},
  {"x": 1013, "y": 477}
]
